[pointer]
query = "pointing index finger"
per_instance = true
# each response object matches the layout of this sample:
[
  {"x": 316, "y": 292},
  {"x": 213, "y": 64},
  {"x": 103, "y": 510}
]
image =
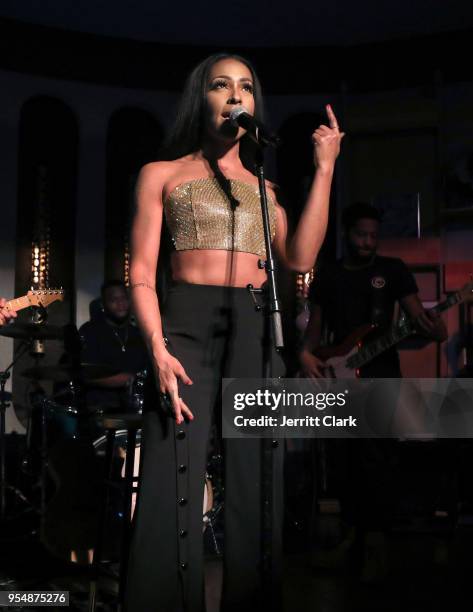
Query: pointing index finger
[{"x": 331, "y": 117}]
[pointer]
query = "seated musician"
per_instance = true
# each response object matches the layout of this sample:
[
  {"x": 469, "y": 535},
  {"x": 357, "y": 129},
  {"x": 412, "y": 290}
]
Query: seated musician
[{"x": 111, "y": 339}]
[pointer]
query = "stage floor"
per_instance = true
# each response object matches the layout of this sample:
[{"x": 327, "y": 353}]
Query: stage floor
[{"x": 412, "y": 572}]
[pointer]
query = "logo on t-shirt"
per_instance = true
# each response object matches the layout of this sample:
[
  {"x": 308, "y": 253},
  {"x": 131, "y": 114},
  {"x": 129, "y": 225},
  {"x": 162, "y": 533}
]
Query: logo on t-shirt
[{"x": 378, "y": 282}]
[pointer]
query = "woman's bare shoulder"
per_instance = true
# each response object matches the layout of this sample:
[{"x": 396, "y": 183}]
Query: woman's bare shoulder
[
  {"x": 157, "y": 176},
  {"x": 158, "y": 170}
]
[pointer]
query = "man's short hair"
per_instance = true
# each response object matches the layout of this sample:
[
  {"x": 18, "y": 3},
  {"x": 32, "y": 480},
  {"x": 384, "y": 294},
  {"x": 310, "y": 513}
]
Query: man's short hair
[
  {"x": 114, "y": 282},
  {"x": 357, "y": 211}
]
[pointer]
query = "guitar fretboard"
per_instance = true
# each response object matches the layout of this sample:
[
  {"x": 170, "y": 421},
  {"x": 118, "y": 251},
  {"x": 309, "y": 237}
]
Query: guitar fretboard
[
  {"x": 373, "y": 349},
  {"x": 396, "y": 334},
  {"x": 18, "y": 303}
]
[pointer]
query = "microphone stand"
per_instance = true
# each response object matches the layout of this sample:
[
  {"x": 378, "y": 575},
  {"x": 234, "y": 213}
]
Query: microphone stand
[
  {"x": 272, "y": 302},
  {"x": 272, "y": 451}
]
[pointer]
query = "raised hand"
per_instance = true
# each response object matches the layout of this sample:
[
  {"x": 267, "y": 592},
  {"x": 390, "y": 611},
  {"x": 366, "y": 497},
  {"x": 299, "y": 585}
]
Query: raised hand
[{"x": 327, "y": 142}]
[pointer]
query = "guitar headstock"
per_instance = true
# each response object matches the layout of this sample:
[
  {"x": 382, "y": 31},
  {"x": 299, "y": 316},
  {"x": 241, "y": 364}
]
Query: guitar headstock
[{"x": 44, "y": 297}]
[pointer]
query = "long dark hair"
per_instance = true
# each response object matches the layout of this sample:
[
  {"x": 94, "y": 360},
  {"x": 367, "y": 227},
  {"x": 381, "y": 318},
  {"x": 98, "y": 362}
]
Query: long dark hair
[{"x": 187, "y": 132}]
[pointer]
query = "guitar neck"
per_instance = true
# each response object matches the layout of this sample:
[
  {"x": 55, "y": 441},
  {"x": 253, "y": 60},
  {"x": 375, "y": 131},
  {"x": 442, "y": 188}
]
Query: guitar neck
[
  {"x": 395, "y": 335},
  {"x": 452, "y": 300},
  {"x": 371, "y": 350},
  {"x": 18, "y": 303}
]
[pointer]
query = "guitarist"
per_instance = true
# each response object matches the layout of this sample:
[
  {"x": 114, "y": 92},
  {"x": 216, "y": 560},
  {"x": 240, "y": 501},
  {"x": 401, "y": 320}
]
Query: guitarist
[
  {"x": 6, "y": 314},
  {"x": 362, "y": 288}
]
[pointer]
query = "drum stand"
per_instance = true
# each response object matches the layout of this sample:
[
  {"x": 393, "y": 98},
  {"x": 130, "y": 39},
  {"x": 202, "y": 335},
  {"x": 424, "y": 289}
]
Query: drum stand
[
  {"x": 4, "y": 486},
  {"x": 36, "y": 346},
  {"x": 209, "y": 519}
]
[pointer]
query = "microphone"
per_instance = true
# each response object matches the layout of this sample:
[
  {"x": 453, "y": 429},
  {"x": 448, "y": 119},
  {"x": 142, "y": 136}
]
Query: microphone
[{"x": 256, "y": 130}]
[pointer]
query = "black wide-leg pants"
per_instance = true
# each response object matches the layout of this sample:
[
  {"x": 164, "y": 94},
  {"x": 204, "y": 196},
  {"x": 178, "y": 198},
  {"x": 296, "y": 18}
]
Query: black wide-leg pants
[{"x": 214, "y": 332}]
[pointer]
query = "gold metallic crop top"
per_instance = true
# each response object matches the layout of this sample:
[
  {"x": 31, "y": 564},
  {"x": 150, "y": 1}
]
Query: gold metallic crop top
[{"x": 206, "y": 214}]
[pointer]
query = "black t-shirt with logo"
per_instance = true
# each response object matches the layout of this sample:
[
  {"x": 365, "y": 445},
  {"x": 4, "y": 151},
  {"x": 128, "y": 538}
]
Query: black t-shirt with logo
[{"x": 350, "y": 298}]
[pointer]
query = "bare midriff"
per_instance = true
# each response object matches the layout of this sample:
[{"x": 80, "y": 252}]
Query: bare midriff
[{"x": 217, "y": 267}]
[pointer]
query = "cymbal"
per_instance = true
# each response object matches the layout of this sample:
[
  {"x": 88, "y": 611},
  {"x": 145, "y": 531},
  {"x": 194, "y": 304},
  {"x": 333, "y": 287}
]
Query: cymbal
[
  {"x": 66, "y": 372},
  {"x": 33, "y": 331}
]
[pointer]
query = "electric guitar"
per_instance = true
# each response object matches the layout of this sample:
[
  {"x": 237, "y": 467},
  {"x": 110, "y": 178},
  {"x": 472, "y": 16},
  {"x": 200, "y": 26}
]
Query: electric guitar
[{"x": 344, "y": 360}]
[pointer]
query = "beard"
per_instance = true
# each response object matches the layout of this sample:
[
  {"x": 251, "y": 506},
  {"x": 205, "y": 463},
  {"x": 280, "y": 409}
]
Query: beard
[
  {"x": 362, "y": 258},
  {"x": 117, "y": 319}
]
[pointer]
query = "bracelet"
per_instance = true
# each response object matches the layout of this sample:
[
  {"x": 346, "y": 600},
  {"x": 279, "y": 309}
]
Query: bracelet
[{"x": 143, "y": 285}]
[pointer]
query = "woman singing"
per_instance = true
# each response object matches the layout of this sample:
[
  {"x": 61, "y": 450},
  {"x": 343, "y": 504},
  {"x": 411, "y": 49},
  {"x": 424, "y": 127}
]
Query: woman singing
[{"x": 208, "y": 197}]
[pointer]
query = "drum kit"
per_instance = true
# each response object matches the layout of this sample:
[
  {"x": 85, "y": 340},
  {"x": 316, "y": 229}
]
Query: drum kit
[
  {"x": 65, "y": 447},
  {"x": 62, "y": 464}
]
